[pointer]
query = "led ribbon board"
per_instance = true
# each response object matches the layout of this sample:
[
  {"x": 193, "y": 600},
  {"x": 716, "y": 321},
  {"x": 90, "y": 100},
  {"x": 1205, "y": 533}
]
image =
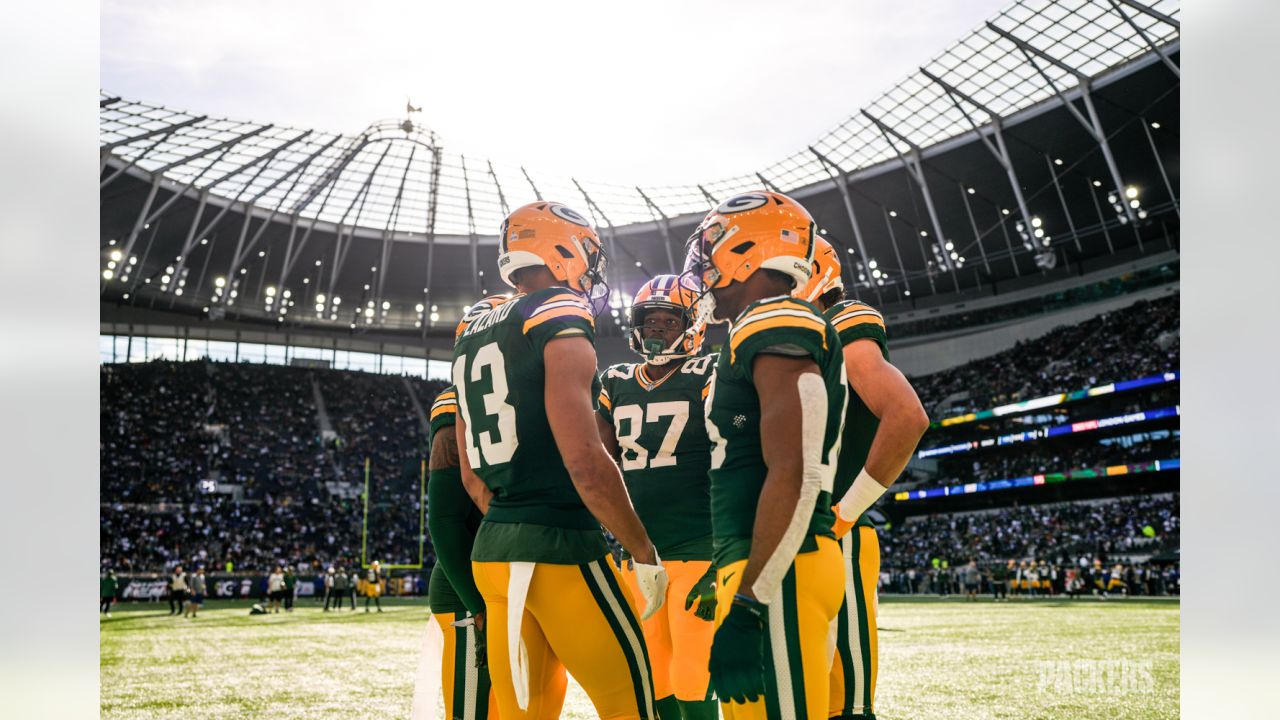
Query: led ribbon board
[
  {"x": 1054, "y": 431},
  {"x": 1034, "y": 480},
  {"x": 1059, "y": 399}
]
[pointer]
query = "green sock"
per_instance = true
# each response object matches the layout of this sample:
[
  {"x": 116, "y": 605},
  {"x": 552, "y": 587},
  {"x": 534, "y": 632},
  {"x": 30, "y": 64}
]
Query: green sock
[
  {"x": 668, "y": 708},
  {"x": 699, "y": 709}
]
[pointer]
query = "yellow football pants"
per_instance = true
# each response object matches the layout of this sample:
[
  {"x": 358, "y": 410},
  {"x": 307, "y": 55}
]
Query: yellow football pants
[
  {"x": 797, "y": 675},
  {"x": 576, "y": 617},
  {"x": 467, "y": 693},
  {"x": 853, "y": 670},
  {"x": 678, "y": 641}
]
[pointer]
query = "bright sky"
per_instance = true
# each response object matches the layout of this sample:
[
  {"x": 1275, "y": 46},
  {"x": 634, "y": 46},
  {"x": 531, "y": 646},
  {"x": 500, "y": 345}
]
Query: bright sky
[{"x": 657, "y": 92}]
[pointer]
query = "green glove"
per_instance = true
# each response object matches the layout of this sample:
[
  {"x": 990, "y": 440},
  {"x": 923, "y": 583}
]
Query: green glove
[
  {"x": 737, "y": 652},
  {"x": 704, "y": 594},
  {"x": 482, "y": 643}
]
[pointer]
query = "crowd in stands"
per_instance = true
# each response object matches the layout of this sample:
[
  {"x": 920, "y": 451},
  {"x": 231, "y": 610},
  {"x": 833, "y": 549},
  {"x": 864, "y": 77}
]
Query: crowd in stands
[
  {"x": 1136, "y": 341},
  {"x": 1061, "y": 534},
  {"x": 1035, "y": 458},
  {"x": 167, "y": 426}
]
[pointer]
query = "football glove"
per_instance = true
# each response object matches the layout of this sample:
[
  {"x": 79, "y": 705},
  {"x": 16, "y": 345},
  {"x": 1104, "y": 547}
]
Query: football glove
[
  {"x": 737, "y": 652},
  {"x": 704, "y": 594},
  {"x": 652, "y": 580},
  {"x": 482, "y": 646}
]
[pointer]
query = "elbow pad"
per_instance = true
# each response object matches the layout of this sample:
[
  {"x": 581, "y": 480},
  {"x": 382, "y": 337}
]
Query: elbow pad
[{"x": 816, "y": 476}]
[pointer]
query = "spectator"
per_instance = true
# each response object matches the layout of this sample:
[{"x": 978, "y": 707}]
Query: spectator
[
  {"x": 972, "y": 578},
  {"x": 198, "y": 590},
  {"x": 108, "y": 586},
  {"x": 275, "y": 589},
  {"x": 330, "y": 578},
  {"x": 177, "y": 591},
  {"x": 290, "y": 588}
]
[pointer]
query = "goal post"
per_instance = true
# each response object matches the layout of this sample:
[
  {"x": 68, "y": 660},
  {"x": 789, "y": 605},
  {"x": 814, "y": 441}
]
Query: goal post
[{"x": 422, "y": 522}]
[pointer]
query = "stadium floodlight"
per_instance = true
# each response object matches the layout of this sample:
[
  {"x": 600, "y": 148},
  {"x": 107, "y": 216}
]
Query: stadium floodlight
[
  {"x": 262, "y": 253},
  {"x": 435, "y": 317},
  {"x": 286, "y": 294},
  {"x": 1131, "y": 192},
  {"x": 111, "y": 264},
  {"x": 107, "y": 274},
  {"x": 1155, "y": 126},
  {"x": 418, "y": 308},
  {"x": 949, "y": 246},
  {"x": 972, "y": 191},
  {"x": 337, "y": 300},
  {"x": 894, "y": 213},
  {"x": 434, "y": 308},
  {"x": 115, "y": 255},
  {"x": 872, "y": 263},
  {"x": 386, "y": 305},
  {"x": 270, "y": 291},
  {"x": 219, "y": 282},
  {"x": 1057, "y": 161},
  {"x": 319, "y": 298}
]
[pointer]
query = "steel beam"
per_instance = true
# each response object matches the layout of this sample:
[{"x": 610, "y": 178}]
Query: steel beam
[
  {"x": 167, "y": 129},
  {"x": 841, "y": 180},
  {"x": 897, "y": 253},
  {"x": 502, "y": 199},
  {"x": 914, "y": 165},
  {"x": 210, "y": 150},
  {"x": 768, "y": 185},
  {"x": 1152, "y": 12},
  {"x": 707, "y": 195},
  {"x": 108, "y": 101},
  {"x": 1091, "y": 123},
  {"x": 610, "y": 235},
  {"x": 998, "y": 149},
  {"x": 977, "y": 236},
  {"x": 664, "y": 227},
  {"x": 1164, "y": 57},
  {"x": 473, "y": 239},
  {"x": 1146, "y": 128},
  {"x": 141, "y": 221},
  {"x": 1062, "y": 199},
  {"x": 433, "y": 200},
  {"x": 536, "y": 193}
]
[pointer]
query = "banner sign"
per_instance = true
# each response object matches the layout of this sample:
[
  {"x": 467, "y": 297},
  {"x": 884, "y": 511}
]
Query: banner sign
[
  {"x": 1059, "y": 399},
  {"x": 1033, "y": 480},
  {"x": 1054, "y": 431}
]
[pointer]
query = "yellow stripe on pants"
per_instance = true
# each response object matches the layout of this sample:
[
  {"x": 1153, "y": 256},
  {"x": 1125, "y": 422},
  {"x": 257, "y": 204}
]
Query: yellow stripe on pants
[
  {"x": 565, "y": 627},
  {"x": 803, "y": 682}
]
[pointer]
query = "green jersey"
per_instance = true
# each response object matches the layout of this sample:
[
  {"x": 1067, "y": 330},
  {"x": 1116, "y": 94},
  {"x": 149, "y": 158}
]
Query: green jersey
[
  {"x": 664, "y": 457},
  {"x": 854, "y": 320},
  {"x": 536, "y": 514},
  {"x": 452, "y": 520},
  {"x": 782, "y": 326}
]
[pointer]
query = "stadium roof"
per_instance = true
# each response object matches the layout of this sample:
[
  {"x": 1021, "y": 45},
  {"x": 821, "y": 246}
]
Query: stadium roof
[{"x": 397, "y": 181}]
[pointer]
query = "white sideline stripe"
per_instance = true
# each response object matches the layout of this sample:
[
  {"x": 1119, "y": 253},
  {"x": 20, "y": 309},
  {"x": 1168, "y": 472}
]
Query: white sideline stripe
[
  {"x": 851, "y": 616},
  {"x": 642, "y": 660},
  {"x": 781, "y": 663}
]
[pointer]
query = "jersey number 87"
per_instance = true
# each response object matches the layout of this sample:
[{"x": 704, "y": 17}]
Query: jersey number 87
[{"x": 634, "y": 455}]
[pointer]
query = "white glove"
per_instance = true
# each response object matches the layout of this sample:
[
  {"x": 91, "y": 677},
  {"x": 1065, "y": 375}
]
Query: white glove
[{"x": 652, "y": 580}]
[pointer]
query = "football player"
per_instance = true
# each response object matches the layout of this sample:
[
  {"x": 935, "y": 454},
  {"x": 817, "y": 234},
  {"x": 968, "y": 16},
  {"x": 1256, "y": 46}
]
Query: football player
[
  {"x": 883, "y": 423},
  {"x": 645, "y": 411},
  {"x": 533, "y": 461},
  {"x": 774, "y": 414},
  {"x": 456, "y": 604}
]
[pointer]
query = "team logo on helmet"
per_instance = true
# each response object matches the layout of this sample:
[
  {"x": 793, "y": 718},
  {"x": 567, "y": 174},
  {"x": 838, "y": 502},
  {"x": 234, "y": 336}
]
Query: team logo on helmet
[
  {"x": 567, "y": 213},
  {"x": 742, "y": 203}
]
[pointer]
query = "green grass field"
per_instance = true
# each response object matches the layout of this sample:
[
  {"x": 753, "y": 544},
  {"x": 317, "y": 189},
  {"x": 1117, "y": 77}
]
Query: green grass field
[{"x": 938, "y": 659}]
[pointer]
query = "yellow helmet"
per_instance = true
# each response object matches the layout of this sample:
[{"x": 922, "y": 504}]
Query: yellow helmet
[
  {"x": 678, "y": 294},
  {"x": 475, "y": 311},
  {"x": 557, "y": 237},
  {"x": 752, "y": 231},
  {"x": 826, "y": 272}
]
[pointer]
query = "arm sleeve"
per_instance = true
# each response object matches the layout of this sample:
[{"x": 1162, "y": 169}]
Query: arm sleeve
[
  {"x": 447, "y": 509},
  {"x": 444, "y": 413}
]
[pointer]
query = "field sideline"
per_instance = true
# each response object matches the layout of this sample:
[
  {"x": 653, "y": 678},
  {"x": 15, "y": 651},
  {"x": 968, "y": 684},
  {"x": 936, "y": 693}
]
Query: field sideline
[{"x": 938, "y": 659}]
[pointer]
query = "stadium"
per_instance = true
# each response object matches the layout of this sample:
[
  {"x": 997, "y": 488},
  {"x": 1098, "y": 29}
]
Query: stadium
[{"x": 278, "y": 308}]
